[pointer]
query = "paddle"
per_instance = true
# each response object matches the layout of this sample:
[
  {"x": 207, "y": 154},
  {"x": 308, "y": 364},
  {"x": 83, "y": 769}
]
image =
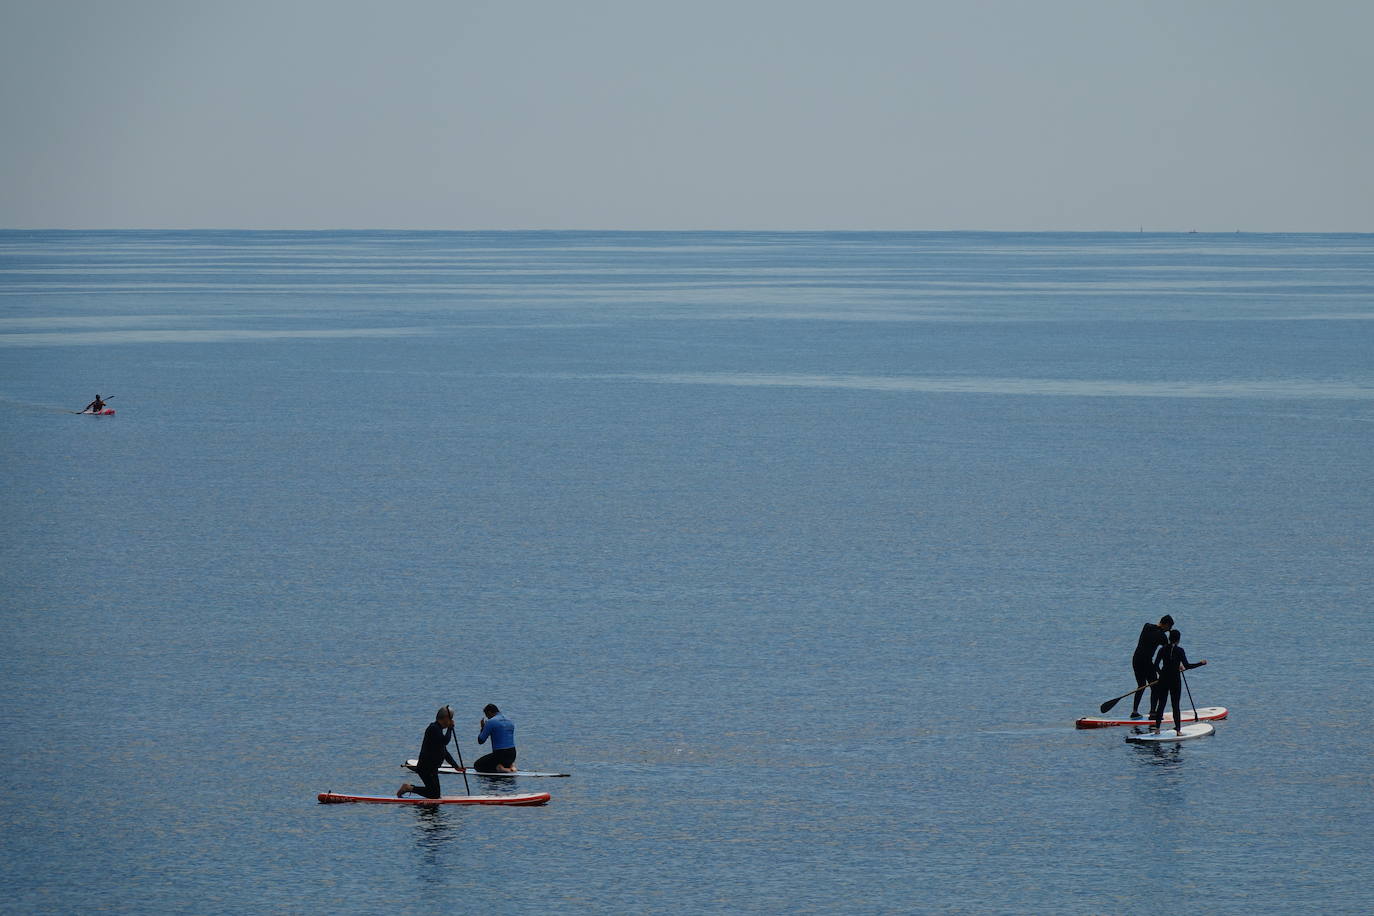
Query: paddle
[
  {"x": 1106, "y": 707},
  {"x": 453, "y": 732},
  {"x": 1191, "y": 701},
  {"x": 90, "y": 405}
]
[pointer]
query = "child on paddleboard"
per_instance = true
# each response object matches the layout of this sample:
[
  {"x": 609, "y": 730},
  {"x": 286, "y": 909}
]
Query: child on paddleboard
[{"x": 1170, "y": 662}]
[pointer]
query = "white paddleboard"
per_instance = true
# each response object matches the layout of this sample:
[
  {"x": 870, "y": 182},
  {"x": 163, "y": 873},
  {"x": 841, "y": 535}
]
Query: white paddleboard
[
  {"x": 450, "y": 771},
  {"x": 1166, "y": 735}
]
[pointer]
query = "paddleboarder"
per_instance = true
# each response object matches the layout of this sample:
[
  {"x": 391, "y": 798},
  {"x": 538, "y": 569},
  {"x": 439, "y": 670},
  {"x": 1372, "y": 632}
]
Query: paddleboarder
[
  {"x": 501, "y": 731},
  {"x": 95, "y": 406},
  {"x": 1171, "y": 661},
  {"x": 433, "y": 753},
  {"x": 1153, "y": 636}
]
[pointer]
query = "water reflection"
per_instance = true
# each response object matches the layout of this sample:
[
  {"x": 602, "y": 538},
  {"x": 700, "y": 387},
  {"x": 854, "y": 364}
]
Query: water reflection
[
  {"x": 1168, "y": 755},
  {"x": 1160, "y": 805},
  {"x": 435, "y": 831}
]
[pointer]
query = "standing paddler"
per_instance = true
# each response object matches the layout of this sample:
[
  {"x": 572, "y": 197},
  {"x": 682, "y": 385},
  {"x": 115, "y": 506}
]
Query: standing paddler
[
  {"x": 1173, "y": 661},
  {"x": 433, "y": 753},
  {"x": 1153, "y": 636}
]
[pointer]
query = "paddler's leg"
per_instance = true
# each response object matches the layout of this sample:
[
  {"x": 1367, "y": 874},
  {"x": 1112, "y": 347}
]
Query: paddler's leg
[
  {"x": 1144, "y": 673},
  {"x": 429, "y": 790},
  {"x": 1157, "y": 693},
  {"x": 502, "y": 761},
  {"x": 1174, "y": 691}
]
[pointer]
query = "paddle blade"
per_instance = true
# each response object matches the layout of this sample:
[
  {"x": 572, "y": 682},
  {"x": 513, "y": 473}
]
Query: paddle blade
[{"x": 1112, "y": 702}]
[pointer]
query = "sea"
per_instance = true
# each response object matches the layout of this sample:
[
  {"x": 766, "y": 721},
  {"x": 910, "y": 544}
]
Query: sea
[{"x": 800, "y": 552}]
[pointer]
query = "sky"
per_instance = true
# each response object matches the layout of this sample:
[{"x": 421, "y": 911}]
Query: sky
[{"x": 1214, "y": 115}]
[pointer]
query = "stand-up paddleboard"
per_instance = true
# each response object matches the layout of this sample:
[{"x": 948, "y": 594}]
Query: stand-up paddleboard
[
  {"x": 533, "y": 798},
  {"x": 1167, "y": 735},
  {"x": 1201, "y": 714},
  {"x": 445, "y": 768}
]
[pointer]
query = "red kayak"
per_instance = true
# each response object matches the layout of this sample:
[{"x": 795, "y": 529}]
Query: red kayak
[
  {"x": 533, "y": 798},
  {"x": 1201, "y": 714},
  {"x": 107, "y": 412}
]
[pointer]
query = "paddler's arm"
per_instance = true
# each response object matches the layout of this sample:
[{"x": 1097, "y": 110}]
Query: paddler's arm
[{"x": 485, "y": 733}]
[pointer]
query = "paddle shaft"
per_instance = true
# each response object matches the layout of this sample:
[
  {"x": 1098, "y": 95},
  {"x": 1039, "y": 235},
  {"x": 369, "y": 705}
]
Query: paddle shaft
[
  {"x": 1105, "y": 707},
  {"x": 453, "y": 732},
  {"x": 1191, "y": 701}
]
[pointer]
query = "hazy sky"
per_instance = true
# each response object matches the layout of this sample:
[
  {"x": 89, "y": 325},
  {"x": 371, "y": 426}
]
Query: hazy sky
[{"x": 696, "y": 114}]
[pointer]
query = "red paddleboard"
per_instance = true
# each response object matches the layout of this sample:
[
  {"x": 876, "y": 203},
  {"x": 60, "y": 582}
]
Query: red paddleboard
[
  {"x": 532, "y": 798},
  {"x": 1201, "y": 714},
  {"x": 107, "y": 412}
]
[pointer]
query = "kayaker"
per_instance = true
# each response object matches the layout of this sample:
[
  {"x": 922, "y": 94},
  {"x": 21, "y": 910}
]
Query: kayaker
[
  {"x": 1153, "y": 636},
  {"x": 501, "y": 731},
  {"x": 95, "y": 406},
  {"x": 1171, "y": 662},
  {"x": 433, "y": 753}
]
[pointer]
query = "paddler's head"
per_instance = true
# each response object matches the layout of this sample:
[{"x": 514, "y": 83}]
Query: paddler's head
[
  {"x": 490, "y": 710},
  {"x": 444, "y": 716},
  {"x": 1174, "y": 637},
  {"x": 1166, "y": 622}
]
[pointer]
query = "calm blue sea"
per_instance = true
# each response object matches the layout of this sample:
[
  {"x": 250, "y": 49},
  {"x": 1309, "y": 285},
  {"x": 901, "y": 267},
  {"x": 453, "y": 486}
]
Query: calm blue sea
[{"x": 802, "y": 552}]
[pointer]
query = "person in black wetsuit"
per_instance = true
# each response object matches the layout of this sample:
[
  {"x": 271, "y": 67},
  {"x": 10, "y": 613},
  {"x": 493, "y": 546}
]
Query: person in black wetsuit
[
  {"x": 95, "y": 406},
  {"x": 1171, "y": 662},
  {"x": 433, "y": 753},
  {"x": 1153, "y": 636}
]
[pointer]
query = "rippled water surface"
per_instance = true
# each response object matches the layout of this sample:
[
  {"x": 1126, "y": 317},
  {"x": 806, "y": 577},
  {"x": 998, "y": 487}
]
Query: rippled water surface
[{"x": 802, "y": 552}]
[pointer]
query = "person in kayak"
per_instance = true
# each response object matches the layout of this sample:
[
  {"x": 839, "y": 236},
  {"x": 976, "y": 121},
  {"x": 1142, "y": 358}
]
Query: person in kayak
[
  {"x": 1153, "y": 636},
  {"x": 95, "y": 406},
  {"x": 501, "y": 731},
  {"x": 1171, "y": 662},
  {"x": 433, "y": 753}
]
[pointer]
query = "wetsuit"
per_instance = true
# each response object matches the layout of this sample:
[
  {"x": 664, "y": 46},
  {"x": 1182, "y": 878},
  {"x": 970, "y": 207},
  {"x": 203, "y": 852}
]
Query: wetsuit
[
  {"x": 433, "y": 753},
  {"x": 501, "y": 731},
  {"x": 1171, "y": 660},
  {"x": 1152, "y": 637}
]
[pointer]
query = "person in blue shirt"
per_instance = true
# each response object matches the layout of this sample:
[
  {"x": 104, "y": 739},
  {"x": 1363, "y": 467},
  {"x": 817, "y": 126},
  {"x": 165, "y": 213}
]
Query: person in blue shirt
[{"x": 501, "y": 731}]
